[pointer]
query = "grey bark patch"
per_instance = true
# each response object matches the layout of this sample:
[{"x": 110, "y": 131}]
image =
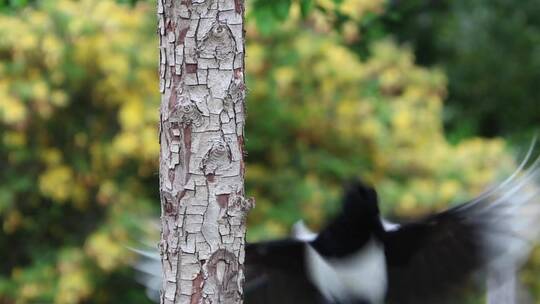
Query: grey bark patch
[{"x": 223, "y": 268}]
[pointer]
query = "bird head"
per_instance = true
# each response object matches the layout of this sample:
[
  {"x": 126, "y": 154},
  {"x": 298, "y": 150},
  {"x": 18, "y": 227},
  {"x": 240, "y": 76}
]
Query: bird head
[{"x": 360, "y": 204}]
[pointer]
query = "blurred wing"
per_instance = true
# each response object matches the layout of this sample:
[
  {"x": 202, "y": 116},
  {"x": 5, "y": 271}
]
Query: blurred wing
[
  {"x": 433, "y": 256},
  {"x": 275, "y": 273},
  {"x": 148, "y": 268}
]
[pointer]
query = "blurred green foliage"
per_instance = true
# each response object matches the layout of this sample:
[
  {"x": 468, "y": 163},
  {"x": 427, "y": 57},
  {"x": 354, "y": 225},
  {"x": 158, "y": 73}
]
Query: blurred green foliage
[
  {"x": 13, "y": 4},
  {"x": 78, "y": 139},
  {"x": 493, "y": 65},
  {"x": 488, "y": 49}
]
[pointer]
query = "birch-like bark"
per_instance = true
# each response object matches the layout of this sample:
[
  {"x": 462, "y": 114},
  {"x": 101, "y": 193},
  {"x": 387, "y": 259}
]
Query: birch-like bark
[{"x": 201, "y": 136}]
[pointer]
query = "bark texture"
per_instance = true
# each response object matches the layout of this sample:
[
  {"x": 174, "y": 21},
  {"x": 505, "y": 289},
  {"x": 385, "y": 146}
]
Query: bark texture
[{"x": 201, "y": 135}]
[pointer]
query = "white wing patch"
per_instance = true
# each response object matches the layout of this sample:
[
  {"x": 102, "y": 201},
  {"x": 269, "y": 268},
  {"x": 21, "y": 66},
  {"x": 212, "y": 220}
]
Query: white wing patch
[
  {"x": 360, "y": 276},
  {"x": 302, "y": 233},
  {"x": 389, "y": 226}
]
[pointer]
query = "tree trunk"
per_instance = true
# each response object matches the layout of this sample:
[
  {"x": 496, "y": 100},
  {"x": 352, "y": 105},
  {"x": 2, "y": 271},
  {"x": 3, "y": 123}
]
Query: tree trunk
[{"x": 201, "y": 136}]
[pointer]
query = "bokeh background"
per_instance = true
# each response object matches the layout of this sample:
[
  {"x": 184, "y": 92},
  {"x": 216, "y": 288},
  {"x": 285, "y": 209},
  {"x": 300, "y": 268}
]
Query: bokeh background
[{"x": 429, "y": 100}]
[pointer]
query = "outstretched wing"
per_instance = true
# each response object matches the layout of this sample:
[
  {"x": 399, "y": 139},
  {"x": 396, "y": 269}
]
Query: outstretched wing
[
  {"x": 430, "y": 258},
  {"x": 275, "y": 273},
  {"x": 148, "y": 268}
]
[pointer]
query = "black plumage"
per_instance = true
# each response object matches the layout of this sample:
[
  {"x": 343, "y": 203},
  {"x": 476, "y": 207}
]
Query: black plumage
[
  {"x": 359, "y": 259},
  {"x": 429, "y": 260}
]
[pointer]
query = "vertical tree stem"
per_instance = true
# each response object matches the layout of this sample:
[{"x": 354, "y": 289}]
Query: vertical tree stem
[{"x": 203, "y": 208}]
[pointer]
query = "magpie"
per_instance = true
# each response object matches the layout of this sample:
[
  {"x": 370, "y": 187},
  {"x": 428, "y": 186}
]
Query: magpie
[{"x": 360, "y": 258}]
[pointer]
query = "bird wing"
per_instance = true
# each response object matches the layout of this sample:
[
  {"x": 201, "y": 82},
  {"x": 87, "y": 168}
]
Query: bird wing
[
  {"x": 148, "y": 268},
  {"x": 431, "y": 257},
  {"x": 275, "y": 273}
]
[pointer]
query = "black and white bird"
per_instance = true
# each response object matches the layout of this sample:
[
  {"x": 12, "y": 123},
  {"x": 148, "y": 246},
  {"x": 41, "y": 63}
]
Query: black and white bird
[{"x": 359, "y": 258}]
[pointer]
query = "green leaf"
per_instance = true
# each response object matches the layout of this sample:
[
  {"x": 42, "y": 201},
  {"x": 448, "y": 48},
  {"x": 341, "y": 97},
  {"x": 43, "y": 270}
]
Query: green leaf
[
  {"x": 19, "y": 3},
  {"x": 305, "y": 7},
  {"x": 268, "y": 14},
  {"x": 265, "y": 20},
  {"x": 281, "y": 9}
]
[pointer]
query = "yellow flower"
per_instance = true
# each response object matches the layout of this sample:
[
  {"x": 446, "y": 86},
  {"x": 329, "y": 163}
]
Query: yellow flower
[
  {"x": 391, "y": 79},
  {"x": 107, "y": 191},
  {"x": 327, "y": 4},
  {"x": 284, "y": 76},
  {"x": 448, "y": 190},
  {"x": 402, "y": 120},
  {"x": 57, "y": 183},
  {"x": 408, "y": 204},
  {"x": 150, "y": 143},
  {"x": 28, "y": 41},
  {"x": 73, "y": 287},
  {"x": 115, "y": 64},
  {"x": 14, "y": 138},
  {"x": 59, "y": 98},
  {"x": 30, "y": 291},
  {"x": 51, "y": 156},
  {"x": 40, "y": 90},
  {"x": 131, "y": 114},
  {"x": 52, "y": 48},
  {"x": 12, "y": 111},
  {"x": 79, "y": 195},
  {"x": 276, "y": 228},
  {"x": 356, "y": 9},
  {"x": 126, "y": 143},
  {"x": 255, "y": 59},
  {"x": 39, "y": 20},
  {"x": 108, "y": 253},
  {"x": 351, "y": 32},
  {"x": 370, "y": 128}
]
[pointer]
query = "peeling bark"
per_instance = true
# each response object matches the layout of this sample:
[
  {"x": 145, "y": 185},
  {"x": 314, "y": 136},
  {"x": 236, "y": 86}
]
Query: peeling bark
[{"x": 202, "y": 112}]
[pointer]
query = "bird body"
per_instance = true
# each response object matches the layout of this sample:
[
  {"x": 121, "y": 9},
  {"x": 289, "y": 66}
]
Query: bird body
[
  {"x": 360, "y": 258},
  {"x": 361, "y": 275}
]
